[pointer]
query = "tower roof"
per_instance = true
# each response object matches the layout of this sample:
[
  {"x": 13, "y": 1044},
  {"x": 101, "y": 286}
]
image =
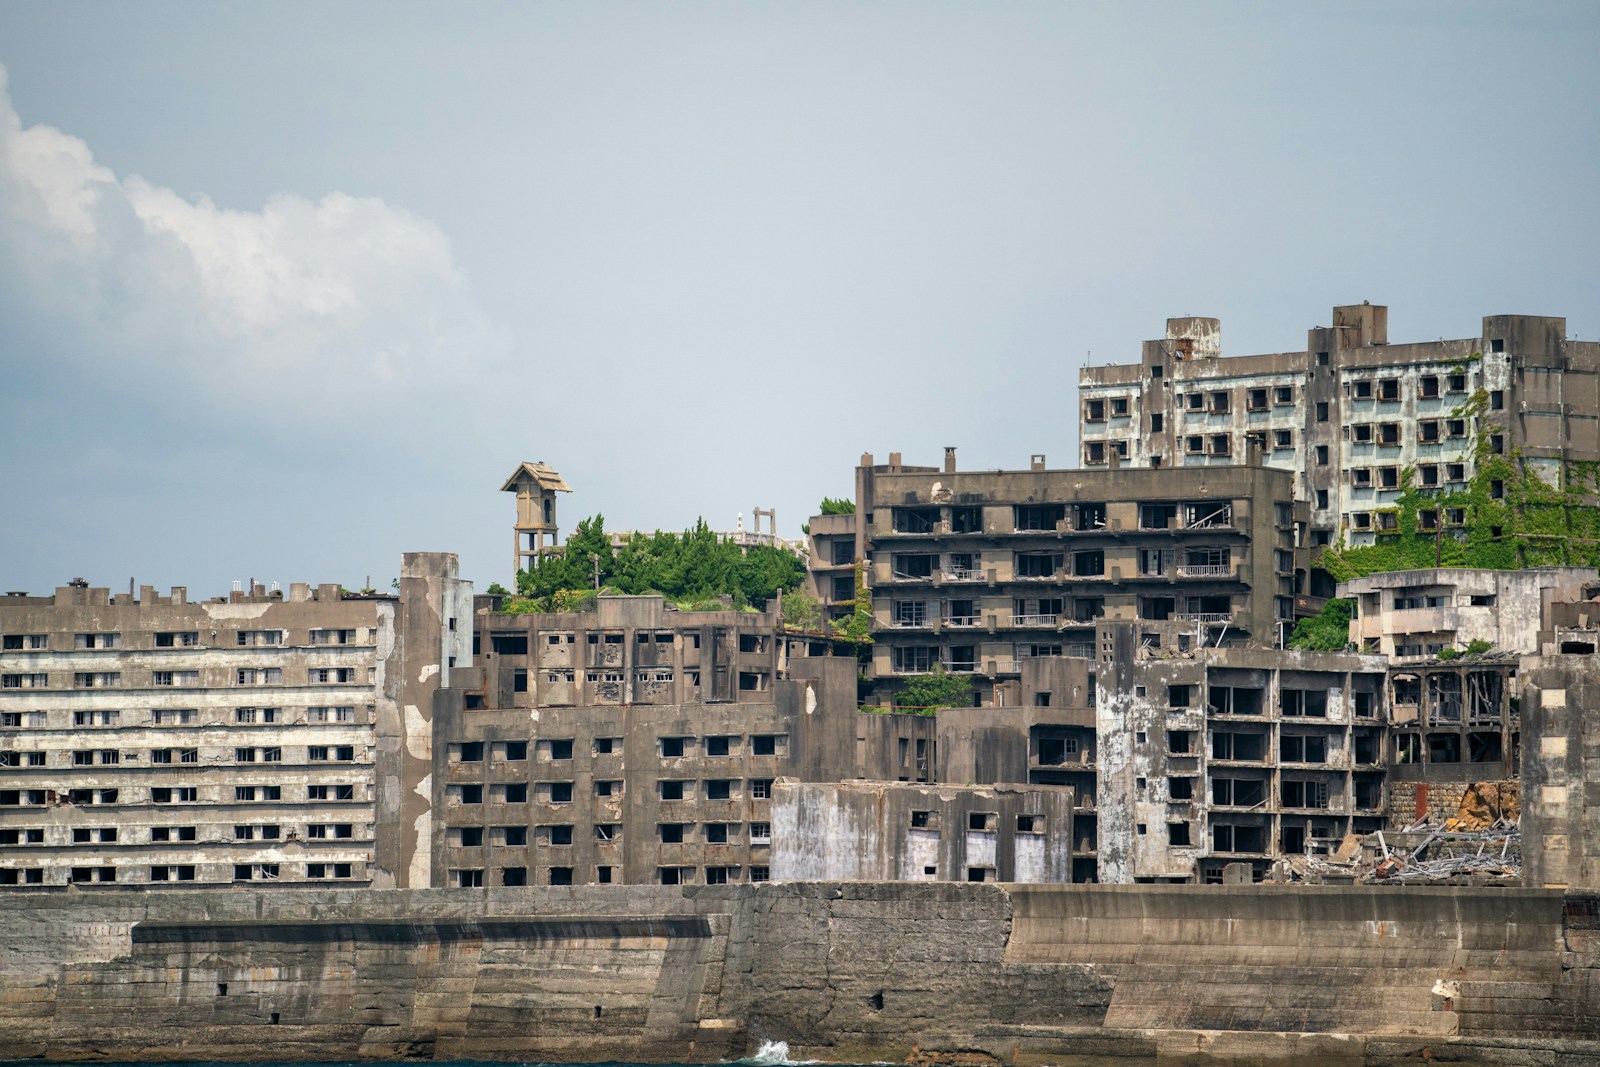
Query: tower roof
[{"x": 542, "y": 474}]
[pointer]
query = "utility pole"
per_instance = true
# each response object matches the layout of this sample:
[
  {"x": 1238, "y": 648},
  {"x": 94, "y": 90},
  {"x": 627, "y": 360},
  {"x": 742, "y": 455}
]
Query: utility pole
[{"x": 595, "y": 559}]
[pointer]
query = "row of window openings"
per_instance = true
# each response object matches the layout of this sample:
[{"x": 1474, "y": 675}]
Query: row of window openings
[
  {"x": 109, "y": 835},
  {"x": 1486, "y": 746},
  {"x": 246, "y": 676},
  {"x": 1428, "y": 387},
  {"x": 176, "y": 872},
  {"x": 1026, "y": 611},
  {"x": 515, "y": 643},
  {"x": 174, "y": 717},
  {"x": 1427, "y": 519},
  {"x": 473, "y": 877},
  {"x": 1081, "y": 517},
  {"x": 561, "y": 834},
  {"x": 164, "y": 795},
  {"x": 978, "y": 821},
  {"x": 105, "y": 757},
  {"x": 179, "y": 639},
  {"x": 749, "y": 681},
  {"x": 667, "y": 747},
  {"x": 562, "y": 792},
  {"x": 1292, "y": 703}
]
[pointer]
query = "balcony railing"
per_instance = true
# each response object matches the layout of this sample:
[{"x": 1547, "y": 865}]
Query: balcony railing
[
  {"x": 962, "y": 574},
  {"x": 1208, "y": 617},
  {"x": 963, "y": 620},
  {"x": 1204, "y": 570},
  {"x": 1033, "y": 620}
]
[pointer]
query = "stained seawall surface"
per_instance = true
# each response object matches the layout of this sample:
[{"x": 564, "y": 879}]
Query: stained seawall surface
[{"x": 852, "y": 971}]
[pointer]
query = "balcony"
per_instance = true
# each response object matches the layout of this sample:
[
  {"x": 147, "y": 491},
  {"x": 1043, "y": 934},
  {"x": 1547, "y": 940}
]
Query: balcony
[
  {"x": 1205, "y": 570},
  {"x": 1441, "y": 620},
  {"x": 1208, "y": 618},
  {"x": 1034, "y": 620},
  {"x": 963, "y": 621},
  {"x": 962, "y": 574}
]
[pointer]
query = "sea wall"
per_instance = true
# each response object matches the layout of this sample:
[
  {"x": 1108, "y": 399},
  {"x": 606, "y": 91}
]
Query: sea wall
[{"x": 850, "y": 972}]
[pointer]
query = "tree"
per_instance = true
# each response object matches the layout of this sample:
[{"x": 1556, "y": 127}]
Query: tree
[
  {"x": 800, "y": 610},
  {"x": 938, "y": 689},
  {"x": 830, "y": 506},
  {"x": 1325, "y": 632},
  {"x": 695, "y": 567}
]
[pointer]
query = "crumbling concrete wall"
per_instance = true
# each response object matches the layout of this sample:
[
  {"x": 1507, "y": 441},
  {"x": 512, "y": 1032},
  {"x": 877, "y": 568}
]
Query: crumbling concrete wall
[{"x": 851, "y": 972}]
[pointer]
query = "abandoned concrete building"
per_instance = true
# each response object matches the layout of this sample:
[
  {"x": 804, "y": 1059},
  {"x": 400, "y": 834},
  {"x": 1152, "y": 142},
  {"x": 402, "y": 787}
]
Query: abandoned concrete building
[
  {"x": 894, "y": 831},
  {"x": 148, "y": 740},
  {"x": 977, "y": 572},
  {"x": 1352, "y": 412},
  {"x": 637, "y": 744}
]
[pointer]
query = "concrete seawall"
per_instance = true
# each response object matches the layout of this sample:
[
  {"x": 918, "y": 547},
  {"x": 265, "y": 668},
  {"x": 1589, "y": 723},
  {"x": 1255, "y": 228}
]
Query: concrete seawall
[{"x": 936, "y": 972}]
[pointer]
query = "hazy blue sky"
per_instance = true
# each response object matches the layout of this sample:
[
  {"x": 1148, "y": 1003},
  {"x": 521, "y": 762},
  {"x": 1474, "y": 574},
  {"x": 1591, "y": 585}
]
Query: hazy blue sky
[{"x": 287, "y": 289}]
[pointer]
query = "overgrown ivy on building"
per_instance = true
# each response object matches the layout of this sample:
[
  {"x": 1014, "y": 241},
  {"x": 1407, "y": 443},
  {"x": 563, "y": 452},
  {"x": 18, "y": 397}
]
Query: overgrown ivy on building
[
  {"x": 1509, "y": 517},
  {"x": 1505, "y": 517}
]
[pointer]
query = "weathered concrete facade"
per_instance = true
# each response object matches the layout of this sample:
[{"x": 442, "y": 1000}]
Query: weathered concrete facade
[
  {"x": 155, "y": 742},
  {"x": 1414, "y": 615},
  {"x": 853, "y": 972},
  {"x": 636, "y": 744},
  {"x": 1351, "y": 412},
  {"x": 1234, "y": 756},
  {"x": 877, "y": 831},
  {"x": 1561, "y": 772},
  {"x": 979, "y": 572}
]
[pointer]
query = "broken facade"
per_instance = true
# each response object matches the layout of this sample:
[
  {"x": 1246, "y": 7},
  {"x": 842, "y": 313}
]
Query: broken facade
[{"x": 1351, "y": 413}]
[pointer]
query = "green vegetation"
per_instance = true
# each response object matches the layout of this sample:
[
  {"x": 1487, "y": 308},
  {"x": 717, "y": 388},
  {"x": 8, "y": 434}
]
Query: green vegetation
[
  {"x": 1326, "y": 632},
  {"x": 800, "y": 610},
  {"x": 1505, "y": 518},
  {"x": 496, "y": 589},
  {"x": 857, "y": 629},
  {"x": 830, "y": 506},
  {"x": 695, "y": 571},
  {"x": 926, "y": 693}
]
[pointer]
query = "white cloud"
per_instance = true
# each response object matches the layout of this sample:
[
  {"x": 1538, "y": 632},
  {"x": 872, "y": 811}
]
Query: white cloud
[{"x": 342, "y": 296}]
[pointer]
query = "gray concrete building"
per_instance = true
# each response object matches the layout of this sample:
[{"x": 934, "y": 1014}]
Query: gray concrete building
[
  {"x": 148, "y": 740},
  {"x": 898, "y": 832},
  {"x": 638, "y": 744},
  {"x": 978, "y": 572},
  {"x": 1351, "y": 412},
  {"x": 1233, "y": 755}
]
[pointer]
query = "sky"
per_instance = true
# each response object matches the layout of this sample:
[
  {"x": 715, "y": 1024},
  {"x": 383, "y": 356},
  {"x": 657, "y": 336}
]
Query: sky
[{"x": 288, "y": 289}]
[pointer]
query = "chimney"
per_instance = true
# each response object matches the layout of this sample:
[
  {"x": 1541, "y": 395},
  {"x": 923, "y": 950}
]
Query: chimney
[
  {"x": 894, "y": 461},
  {"x": 1036, "y": 461},
  {"x": 949, "y": 459}
]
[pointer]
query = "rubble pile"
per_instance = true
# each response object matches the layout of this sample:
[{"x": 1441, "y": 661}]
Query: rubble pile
[{"x": 1480, "y": 844}]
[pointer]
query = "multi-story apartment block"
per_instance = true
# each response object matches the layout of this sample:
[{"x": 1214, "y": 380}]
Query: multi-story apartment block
[
  {"x": 637, "y": 744},
  {"x": 1411, "y": 616},
  {"x": 1453, "y": 639},
  {"x": 977, "y": 572},
  {"x": 1233, "y": 756},
  {"x": 1352, "y": 413},
  {"x": 152, "y": 741}
]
